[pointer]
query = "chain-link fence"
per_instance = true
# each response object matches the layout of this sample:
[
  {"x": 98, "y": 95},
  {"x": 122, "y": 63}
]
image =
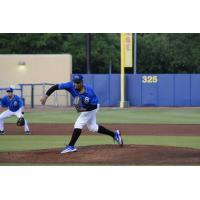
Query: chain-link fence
[{"x": 32, "y": 93}]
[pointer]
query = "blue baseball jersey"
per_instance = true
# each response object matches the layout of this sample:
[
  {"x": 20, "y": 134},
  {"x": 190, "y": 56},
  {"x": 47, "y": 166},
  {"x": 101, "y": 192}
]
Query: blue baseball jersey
[
  {"x": 13, "y": 104},
  {"x": 87, "y": 98}
]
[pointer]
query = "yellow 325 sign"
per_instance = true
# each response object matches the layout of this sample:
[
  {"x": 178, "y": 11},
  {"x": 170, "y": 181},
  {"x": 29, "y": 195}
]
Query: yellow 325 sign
[{"x": 149, "y": 79}]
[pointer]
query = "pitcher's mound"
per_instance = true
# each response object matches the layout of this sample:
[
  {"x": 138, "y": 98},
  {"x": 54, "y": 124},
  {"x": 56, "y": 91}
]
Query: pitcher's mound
[{"x": 108, "y": 155}]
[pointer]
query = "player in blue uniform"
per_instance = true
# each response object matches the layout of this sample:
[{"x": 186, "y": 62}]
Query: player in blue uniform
[
  {"x": 15, "y": 106},
  {"x": 88, "y": 107}
]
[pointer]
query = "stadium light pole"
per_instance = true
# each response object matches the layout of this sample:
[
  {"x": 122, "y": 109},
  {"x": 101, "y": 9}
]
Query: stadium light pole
[
  {"x": 88, "y": 52},
  {"x": 135, "y": 53}
]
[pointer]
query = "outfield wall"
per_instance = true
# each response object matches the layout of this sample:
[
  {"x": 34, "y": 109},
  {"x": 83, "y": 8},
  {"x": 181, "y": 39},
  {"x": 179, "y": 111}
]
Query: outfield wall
[{"x": 147, "y": 89}]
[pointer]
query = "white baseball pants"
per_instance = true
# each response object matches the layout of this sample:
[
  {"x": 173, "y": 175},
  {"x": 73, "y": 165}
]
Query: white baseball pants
[
  {"x": 9, "y": 113},
  {"x": 89, "y": 119}
]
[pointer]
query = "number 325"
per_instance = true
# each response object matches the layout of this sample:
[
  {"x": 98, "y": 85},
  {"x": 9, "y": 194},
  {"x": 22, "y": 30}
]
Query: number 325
[{"x": 149, "y": 79}]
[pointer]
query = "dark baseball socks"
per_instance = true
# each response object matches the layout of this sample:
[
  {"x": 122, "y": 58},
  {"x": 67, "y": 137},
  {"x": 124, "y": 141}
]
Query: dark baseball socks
[
  {"x": 105, "y": 131},
  {"x": 75, "y": 136},
  {"x": 77, "y": 133}
]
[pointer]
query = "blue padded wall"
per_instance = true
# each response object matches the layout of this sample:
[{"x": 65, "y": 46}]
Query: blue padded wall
[
  {"x": 181, "y": 90},
  {"x": 169, "y": 90},
  {"x": 165, "y": 90}
]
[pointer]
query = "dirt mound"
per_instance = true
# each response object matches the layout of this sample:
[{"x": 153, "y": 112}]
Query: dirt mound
[{"x": 108, "y": 155}]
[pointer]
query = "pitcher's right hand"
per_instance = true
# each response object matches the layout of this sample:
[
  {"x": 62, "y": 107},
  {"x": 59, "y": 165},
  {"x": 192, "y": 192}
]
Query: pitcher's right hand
[{"x": 43, "y": 99}]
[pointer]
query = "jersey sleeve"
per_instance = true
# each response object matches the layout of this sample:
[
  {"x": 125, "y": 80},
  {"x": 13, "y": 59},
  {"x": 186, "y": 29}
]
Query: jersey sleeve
[
  {"x": 64, "y": 86},
  {"x": 21, "y": 104},
  {"x": 3, "y": 102}
]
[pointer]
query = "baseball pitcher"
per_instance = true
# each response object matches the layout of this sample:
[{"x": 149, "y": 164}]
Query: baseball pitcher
[
  {"x": 15, "y": 107},
  {"x": 85, "y": 102}
]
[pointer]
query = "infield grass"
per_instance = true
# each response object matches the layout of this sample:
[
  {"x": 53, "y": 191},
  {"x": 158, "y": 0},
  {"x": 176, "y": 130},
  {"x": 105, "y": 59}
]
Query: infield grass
[
  {"x": 9, "y": 143},
  {"x": 122, "y": 116},
  {"x": 125, "y": 116}
]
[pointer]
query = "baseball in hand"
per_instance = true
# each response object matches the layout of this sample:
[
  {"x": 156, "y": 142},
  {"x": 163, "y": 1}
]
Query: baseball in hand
[{"x": 43, "y": 100}]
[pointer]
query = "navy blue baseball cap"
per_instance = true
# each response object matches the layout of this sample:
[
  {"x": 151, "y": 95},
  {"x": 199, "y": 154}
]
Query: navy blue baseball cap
[
  {"x": 77, "y": 78},
  {"x": 9, "y": 89}
]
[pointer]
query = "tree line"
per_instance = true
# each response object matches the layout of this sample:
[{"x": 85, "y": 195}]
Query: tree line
[{"x": 156, "y": 52}]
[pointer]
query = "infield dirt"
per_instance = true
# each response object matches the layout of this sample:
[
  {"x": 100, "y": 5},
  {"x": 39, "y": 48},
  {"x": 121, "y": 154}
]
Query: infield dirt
[
  {"x": 108, "y": 154},
  {"x": 126, "y": 129}
]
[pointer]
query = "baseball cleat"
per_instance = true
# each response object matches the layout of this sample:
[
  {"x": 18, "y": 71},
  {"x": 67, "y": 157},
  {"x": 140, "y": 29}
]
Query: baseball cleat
[
  {"x": 117, "y": 137},
  {"x": 27, "y": 133},
  {"x": 68, "y": 149},
  {"x": 2, "y": 132}
]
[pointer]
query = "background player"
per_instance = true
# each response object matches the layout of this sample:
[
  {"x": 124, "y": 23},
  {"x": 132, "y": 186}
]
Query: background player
[
  {"x": 88, "y": 106},
  {"x": 15, "y": 107}
]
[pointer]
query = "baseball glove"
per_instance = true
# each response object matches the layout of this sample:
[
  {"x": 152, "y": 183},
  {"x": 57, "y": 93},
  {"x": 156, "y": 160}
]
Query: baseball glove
[{"x": 20, "y": 122}]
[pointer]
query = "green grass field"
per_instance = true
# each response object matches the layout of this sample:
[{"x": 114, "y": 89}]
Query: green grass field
[
  {"x": 126, "y": 116},
  {"x": 21, "y": 143}
]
